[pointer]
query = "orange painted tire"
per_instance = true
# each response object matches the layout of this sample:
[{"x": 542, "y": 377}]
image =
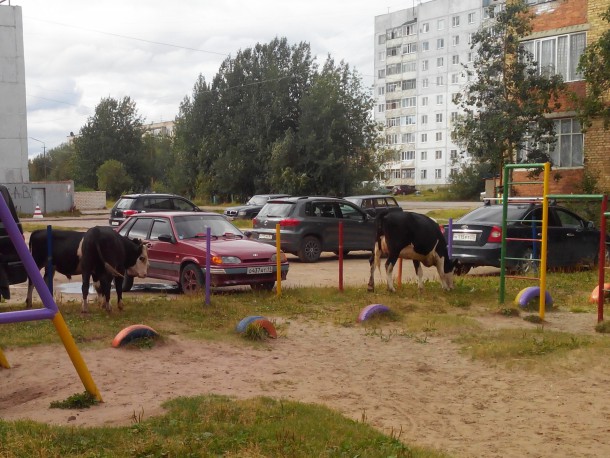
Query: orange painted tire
[
  {"x": 595, "y": 293},
  {"x": 267, "y": 326},
  {"x": 133, "y": 332}
]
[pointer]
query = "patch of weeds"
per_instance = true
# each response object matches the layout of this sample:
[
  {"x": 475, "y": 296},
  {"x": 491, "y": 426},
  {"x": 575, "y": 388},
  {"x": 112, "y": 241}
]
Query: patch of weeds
[
  {"x": 142, "y": 343},
  {"x": 579, "y": 309},
  {"x": 603, "y": 327},
  {"x": 255, "y": 331},
  {"x": 509, "y": 311},
  {"x": 76, "y": 401},
  {"x": 429, "y": 326},
  {"x": 386, "y": 337},
  {"x": 422, "y": 339},
  {"x": 460, "y": 303},
  {"x": 533, "y": 319}
]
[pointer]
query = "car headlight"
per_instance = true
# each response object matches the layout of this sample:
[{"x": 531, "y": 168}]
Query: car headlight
[
  {"x": 225, "y": 260},
  {"x": 283, "y": 257}
]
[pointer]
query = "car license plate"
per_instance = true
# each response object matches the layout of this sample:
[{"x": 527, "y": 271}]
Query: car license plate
[
  {"x": 265, "y": 236},
  {"x": 115, "y": 223},
  {"x": 259, "y": 270},
  {"x": 464, "y": 237}
]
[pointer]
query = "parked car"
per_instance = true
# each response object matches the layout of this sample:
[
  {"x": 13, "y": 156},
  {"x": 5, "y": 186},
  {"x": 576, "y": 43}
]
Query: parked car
[
  {"x": 12, "y": 270},
  {"x": 477, "y": 236},
  {"x": 251, "y": 208},
  {"x": 132, "y": 204},
  {"x": 310, "y": 226},
  {"x": 176, "y": 244},
  {"x": 403, "y": 189},
  {"x": 375, "y": 203}
]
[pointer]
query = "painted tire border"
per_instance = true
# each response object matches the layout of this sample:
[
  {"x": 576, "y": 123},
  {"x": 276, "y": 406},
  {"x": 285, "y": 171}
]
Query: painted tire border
[
  {"x": 370, "y": 310},
  {"x": 531, "y": 292},
  {"x": 266, "y": 325},
  {"x": 243, "y": 324},
  {"x": 133, "y": 332}
]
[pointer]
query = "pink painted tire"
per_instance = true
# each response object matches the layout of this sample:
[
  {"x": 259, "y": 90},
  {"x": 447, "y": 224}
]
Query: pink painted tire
[
  {"x": 133, "y": 332},
  {"x": 370, "y": 310}
]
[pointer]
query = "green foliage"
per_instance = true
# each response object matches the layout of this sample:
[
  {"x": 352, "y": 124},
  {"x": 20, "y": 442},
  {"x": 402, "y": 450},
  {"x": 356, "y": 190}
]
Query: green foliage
[
  {"x": 112, "y": 177},
  {"x": 467, "y": 181},
  {"x": 76, "y": 401},
  {"x": 595, "y": 66},
  {"x": 506, "y": 101},
  {"x": 57, "y": 165},
  {"x": 113, "y": 132}
]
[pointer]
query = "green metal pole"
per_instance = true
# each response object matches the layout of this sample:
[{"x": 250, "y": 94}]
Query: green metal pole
[{"x": 503, "y": 245}]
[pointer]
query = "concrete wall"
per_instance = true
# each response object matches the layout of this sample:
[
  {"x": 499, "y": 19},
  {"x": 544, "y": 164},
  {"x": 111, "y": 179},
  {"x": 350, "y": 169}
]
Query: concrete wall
[
  {"x": 13, "y": 113},
  {"x": 49, "y": 196}
]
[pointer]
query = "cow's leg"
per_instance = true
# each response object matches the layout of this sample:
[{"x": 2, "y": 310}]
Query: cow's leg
[
  {"x": 389, "y": 269},
  {"x": 118, "y": 286},
  {"x": 97, "y": 285},
  {"x": 420, "y": 274},
  {"x": 374, "y": 261},
  {"x": 85, "y": 291},
  {"x": 446, "y": 278}
]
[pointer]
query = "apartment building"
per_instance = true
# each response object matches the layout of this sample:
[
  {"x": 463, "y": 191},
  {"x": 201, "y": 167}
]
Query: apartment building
[{"x": 419, "y": 54}]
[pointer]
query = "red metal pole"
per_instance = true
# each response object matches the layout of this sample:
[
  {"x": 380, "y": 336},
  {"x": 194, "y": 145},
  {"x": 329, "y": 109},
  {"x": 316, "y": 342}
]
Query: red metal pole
[
  {"x": 399, "y": 282},
  {"x": 602, "y": 261},
  {"x": 340, "y": 255}
]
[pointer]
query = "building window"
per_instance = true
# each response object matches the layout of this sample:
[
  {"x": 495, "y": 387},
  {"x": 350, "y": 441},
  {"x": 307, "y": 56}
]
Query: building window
[
  {"x": 396, "y": 174},
  {"x": 408, "y": 84},
  {"x": 408, "y": 173},
  {"x": 392, "y": 122},
  {"x": 439, "y": 117},
  {"x": 407, "y": 155},
  {"x": 438, "y": 174},
  {"x": 381, "y": 90},
  {"x": 424, "y": 101},
  {"x": 455, "y": 40},
  {"x": 440, "y": 43},
  {"x": 423, "y": 174},
  {"x": 439, "y": 136},
  {"x": 439, "y": 99},
  {"x": 381, "y": 107},
  {"x": 392, "y": 104},
  {"x": 424, "y": 119},
  {"x": 439, "y": 80},
  {"x": 470, "y": 56},
  {"x": 381, "y": 56},
  {"x": 408, "y": 138},
  {"x": 453, "y": 154},
  {"x": 470, "y": 35},
  {"x": 438, "y": 154},
  {"x": 454, "y": 116},
  {"x": 381, "y": 39},
  {"x": 393, "y": 51},
  {"x": 424, "y": 138},
  {"x": 425, "y": 27},
  {"x": 425, "y": 46},
  {"x": 558, "y": 55},
  {"x": 440, "y": 61},
  {"x": 391, "y": 139},
  {"x": 409, "y": 102},
  {"x": 455, "y": 78},
  {"x": 440, "y": 24},
  {"x": 424, "y": 65},
  {"x": 409, "y": 66},
  {"x": 471, "y": 18},
  {"x": 424, "y": 155},
  {"x": 455, "y": 21},
  {"x": 381, "y": 73},
  {"x": 455, "y": 59},
  {"x": 569, "y": 147},
  {"x": 409, "y": 48},
  {"x": 425, "y": 82},
  {"x": 407, "y": 120}
]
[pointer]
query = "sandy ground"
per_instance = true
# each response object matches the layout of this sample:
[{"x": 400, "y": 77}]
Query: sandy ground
[{"x": 423, "y": 390}]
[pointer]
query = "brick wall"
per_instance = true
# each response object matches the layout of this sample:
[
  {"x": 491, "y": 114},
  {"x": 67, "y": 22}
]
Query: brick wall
[
  {"x": 560, "y": 13},
  {"x": 90, "y": 200},
  {"x": 561, "y": 181}
]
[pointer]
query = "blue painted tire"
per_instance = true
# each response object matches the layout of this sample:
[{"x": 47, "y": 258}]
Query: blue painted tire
[
  {"x": 243, "y": 324},
  {"x": 370, "y": 310},
  {"x": 526, "y": 295}
]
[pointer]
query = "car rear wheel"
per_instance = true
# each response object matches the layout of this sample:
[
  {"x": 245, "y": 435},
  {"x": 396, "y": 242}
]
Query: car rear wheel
[
  {"x": 461, "y": 269},
  {"x": 310, "y": 249},
  {"x": 265, "y": 286},
  {"x": 191, "y": 279},
  {"x": 527, "y": 265},
  {"x": 127, "y": 283}
]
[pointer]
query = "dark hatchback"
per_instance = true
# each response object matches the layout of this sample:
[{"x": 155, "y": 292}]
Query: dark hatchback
[
  {"x": 251, "y": 208},
  {"x": 374, "y": 204},
  {"x": 132, "y": 204},
  {"x": 12, "y": 270},
  {"x": 310, "y": 226},
  {"x": 573, "y": 242}
]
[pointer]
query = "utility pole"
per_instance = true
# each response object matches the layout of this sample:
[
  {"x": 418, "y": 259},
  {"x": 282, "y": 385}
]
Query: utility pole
[{"x": 44, "y": 156}]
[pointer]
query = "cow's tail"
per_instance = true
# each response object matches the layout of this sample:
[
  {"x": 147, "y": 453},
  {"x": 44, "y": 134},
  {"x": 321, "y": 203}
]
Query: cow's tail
[{"x": 107, "y": 266}]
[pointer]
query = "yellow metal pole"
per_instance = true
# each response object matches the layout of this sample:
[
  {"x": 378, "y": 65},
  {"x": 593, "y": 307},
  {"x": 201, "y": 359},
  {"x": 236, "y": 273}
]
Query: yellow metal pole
[
  {"x": 278, "y": 252},
  {"x": 75, "y": 356},
  {"x": 3, "y": 361},
  {"x": 545, "y": 228}
]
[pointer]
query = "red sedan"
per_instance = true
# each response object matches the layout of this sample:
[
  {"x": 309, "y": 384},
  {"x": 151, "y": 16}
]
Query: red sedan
[{"x": 176, "y": 244}]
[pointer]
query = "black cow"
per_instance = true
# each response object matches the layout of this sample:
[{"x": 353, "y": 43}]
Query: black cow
[
  {"x": 64, "y": 254},
  {"x": 413, "y": 236},
  {"x": 106, "y": 255}
]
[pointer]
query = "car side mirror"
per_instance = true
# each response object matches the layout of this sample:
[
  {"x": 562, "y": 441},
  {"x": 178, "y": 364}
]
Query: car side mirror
[
  {"x": 590, "y": 225},
  {"x": 248, "y": 234},
  {"x": 166, "y": 238}
]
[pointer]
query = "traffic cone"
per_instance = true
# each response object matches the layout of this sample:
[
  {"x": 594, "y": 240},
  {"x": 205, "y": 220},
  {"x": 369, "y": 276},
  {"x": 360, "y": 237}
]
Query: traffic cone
[{"x": 37, "y": 212}]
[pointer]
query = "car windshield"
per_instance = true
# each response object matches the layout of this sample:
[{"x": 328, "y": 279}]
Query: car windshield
[
  {"x": 257, "y": 200},
  {"x": 188, "y": 227},
  {"x": 276, "y": 210},
  {"x": 124, "y": 203},
  {"x": 493, "y": 214}
]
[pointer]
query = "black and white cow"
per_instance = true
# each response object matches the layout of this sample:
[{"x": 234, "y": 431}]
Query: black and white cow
[
  {"x": 106, "y": 255},
  {"x": 64, "y": 254},
  {"x": 409, "y": 235}
]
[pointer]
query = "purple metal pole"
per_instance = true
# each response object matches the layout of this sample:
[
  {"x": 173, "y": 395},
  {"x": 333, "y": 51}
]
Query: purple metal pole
[
  {"x": 49, "y": 269},
  {"x": 208, "y": 263},
  {"x": 30, "y": 266}
]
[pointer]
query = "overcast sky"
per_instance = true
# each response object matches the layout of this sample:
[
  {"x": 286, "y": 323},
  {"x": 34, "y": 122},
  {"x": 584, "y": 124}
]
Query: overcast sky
[{"x": 78, "y": 52}]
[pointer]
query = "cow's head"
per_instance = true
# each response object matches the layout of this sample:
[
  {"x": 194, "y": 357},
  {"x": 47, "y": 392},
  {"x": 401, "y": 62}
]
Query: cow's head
[{"x": 140, "y": 268}]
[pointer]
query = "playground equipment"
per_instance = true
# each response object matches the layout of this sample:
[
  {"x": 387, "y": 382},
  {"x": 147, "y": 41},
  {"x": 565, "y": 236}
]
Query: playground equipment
[
  {"x": 526, "y": 295},
  {"x": 133, "y": 332},
  {"x": 49, "y": 311},
  {"x": 257, "y": 320},
  {"x": 371, "y": 310}
]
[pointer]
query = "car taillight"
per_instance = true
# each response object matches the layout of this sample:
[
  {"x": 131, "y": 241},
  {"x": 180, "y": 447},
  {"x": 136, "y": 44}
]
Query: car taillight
[
  {"x": 254, "y": 221},
  {"x": 290, "y": 222},
  {"x": 495, "y": 236},
  {"x": 128, "y": 213},
  {"x": 442, "y": 229}
]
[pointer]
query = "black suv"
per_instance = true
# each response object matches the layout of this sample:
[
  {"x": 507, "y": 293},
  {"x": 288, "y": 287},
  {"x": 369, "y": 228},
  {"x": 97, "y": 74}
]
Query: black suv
[
  {"x": 375, "y": 204},
  {"x": 12, "y": 270},
  {"x": 251, "y": 208},
  {"x": 131, "y": 204},
  {"x": 310, "y": 225}
]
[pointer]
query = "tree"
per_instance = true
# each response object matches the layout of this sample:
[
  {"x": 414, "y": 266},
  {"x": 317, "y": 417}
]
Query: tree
[
  {"x": 506, "y": 102},
  {"x": 595, "y": 67},
  {"x": 113, "y": 132},
  {"x": 58, "y": 165},
  {"x": 112, "y": 177}
]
